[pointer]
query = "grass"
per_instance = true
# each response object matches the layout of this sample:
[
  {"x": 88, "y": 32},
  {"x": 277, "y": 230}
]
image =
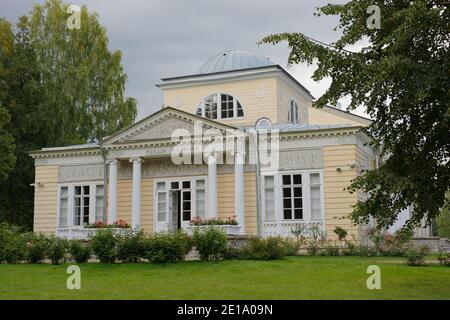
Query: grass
[{"x": 291, "y": 278}]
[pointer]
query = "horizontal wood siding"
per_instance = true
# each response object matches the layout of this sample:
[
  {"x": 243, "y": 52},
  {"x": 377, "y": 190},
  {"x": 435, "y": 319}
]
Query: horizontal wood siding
[
  {"x": 45, "y": 199},
  {"x": 338, "y": 202}
]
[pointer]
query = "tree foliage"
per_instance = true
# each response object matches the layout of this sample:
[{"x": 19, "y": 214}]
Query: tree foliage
[
  {"x": 84, "y": 81},
  {"x": 57, "y": 87},
  {"x": 7, "y": 158},
  {"x": 401, "y": 78}
]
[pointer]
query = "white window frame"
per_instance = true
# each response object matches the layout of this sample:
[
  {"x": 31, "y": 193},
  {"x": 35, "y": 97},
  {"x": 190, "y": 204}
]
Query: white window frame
[
  {"x": 219, "y": 106},
  {"x": 193, "y": 184},
  {"x": 71, "y": 201},
  {"x": 293, "y": 114},
  {"x": 306, "y": 197}
]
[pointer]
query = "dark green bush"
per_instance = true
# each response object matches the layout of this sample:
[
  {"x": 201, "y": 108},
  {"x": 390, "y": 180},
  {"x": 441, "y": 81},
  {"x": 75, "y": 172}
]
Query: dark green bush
[
  {"x": 332, "y": 251},
  {"x": 312, "y": 248},
  {"x": 37, "y": 248},
  {"x": 444, "y": 259},
  {"x": 292, "y": 247},
  {"x": 416, "y": 257},
  {"x": 131, "y": 248},
  {"x": 56, "y": 250},
  {"x": 167, "y": 248},
  {"x": 13, "y": 245},
  {"x": 340, "y": 232},
  {"x": 104, "y": 246},
  {"x": 270, "y": 248},
  {"x": 211, "y": 243},
  {"x": 79, "y": 251}
]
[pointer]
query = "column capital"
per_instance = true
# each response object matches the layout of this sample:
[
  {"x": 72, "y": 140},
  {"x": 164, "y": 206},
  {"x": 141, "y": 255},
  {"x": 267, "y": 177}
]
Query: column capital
[
  {"x": 136, "y": 160},
  {"x": 111, "y": 161}
]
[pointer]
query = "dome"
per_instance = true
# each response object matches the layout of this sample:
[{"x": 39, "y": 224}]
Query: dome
[{"x": 234, "y": 60}]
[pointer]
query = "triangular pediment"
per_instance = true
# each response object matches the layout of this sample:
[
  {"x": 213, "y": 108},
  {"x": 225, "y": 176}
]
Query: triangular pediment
[{"x": 161, "y": 125}]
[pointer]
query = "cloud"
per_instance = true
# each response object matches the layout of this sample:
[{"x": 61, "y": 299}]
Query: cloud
[{"x": 161, "y": 38}]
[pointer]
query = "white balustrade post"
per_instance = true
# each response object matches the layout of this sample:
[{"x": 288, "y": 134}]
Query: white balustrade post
[
  {"x": 112, "y": 194},
  {"x": 212, "y": 186},
  {"x": 136, "y": 195}
]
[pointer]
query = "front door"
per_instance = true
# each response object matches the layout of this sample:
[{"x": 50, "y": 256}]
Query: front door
[{"x": 175, "y": 222}]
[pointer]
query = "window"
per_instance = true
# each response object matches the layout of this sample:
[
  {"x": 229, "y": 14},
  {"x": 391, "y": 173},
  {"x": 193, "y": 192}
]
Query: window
[
  {"x": 63, "y": 206},
  {"x": 315, "y": 198},
  {"x": 220, "y": 106},
  {"x": 99, "y": 203},
  {"x": 161, "y": 196},
  {"x": 292, "y": 196},
  {"x": 269, "y": 195},
  {"x": 80, "y": 205},
  {"x": 200, "y": 199},
  {"x": 293, "y": 112}
]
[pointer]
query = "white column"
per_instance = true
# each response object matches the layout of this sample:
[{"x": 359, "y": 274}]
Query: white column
[
  {"x": 136, "y": 195},
  {"x": 212, "y": 186},
  {"x": 112, "y": 194},
  {"x": 239, "y": 189}
]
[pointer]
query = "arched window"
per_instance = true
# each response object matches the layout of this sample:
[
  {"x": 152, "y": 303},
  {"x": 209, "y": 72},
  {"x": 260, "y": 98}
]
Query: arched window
[
  {"x": 293, "y": 112},
  {"x": 220, "y": 106}
]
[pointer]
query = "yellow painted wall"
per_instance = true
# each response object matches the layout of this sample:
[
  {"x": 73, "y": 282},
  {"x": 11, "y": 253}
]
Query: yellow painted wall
[
  {"x": 286, "y": 93},
  {"x": 337, "y": 201},
  {"x": 45, "y": 199},
  {"x": 244, "y": 90}
]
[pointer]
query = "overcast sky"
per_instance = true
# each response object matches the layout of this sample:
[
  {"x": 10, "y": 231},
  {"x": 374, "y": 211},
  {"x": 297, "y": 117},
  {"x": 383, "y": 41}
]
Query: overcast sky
[{"x": 161, "y": 38}]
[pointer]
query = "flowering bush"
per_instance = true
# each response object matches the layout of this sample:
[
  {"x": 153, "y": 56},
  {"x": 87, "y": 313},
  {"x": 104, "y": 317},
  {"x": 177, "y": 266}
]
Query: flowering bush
[
  {"x": 115, "y": 224},
  {"x": 197, "y": 221}
]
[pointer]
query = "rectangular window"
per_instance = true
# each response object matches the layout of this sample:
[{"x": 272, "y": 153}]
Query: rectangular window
[
  {"x": 227, "y": 107},
  {"x": 292, "y": 196},
  {"x": 99, "y": 203},
  {"x": 63, "y": 206},
  {"x": 269, "y": 195},
  {"x": 315, "y": 196},
  {"x": 161, "y": 198},
  {"x": 200, "y": 199},
  {"x": 186, "y": 205}
]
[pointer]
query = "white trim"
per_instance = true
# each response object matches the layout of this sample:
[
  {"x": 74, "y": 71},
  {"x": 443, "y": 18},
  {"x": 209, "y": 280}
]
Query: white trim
[
  {"x": 70, "y": 201},
  {"x": 168, "y": 181}
]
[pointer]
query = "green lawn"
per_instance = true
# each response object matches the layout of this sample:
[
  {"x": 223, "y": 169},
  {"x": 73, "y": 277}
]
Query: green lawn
[{"x": 292, "y": 278}]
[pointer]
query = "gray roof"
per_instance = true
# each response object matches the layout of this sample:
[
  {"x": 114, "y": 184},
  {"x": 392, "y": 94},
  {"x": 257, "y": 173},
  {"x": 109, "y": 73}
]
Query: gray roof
[
  {"x": 234, "y": 60},
  {"x": 74, "y": 147}
]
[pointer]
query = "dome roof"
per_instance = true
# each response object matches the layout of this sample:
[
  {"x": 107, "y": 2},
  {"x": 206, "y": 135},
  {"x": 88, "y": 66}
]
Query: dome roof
[{"x": 234, "y": 60}]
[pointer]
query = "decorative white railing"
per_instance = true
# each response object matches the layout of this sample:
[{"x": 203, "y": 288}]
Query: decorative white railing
[
  {"x": 227, "y": 228},
  {"x": 284, "y": 228},
  {"x": 80, "y": 233}
]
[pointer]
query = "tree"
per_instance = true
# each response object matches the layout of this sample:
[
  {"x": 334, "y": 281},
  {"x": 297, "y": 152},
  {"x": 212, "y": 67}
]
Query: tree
[
  {"x": 402, "y": 79},
  {"x": 7, "y": 159},
  {"x": 84, "y": 82},
  {"x": 60, "y": 87}
]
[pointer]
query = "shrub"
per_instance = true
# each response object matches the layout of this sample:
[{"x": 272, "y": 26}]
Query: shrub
[
  {"x": 131, "y": 248},
  {"x": 416, "y": 257},
  {"x": 80, "y": 252},
  {"x": 444, "y": 259},
  {"x": 340, "y": 232},
  {"x": 165, "y": 248},
  {"x": 270, "y": 248},
  {"x": 56, "y": 250},
  {"x": 104, "y": 246},
  {"x": 13, "y": 246},
  {"x": 211, "y": 243},
  {"x": 312, "y": 248},
  {"x": 37, "y": 248},
  {"x": 291, "y": 247},
  {"x": 232, "y": 253},
  {"x": 331, "y": 251}
]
